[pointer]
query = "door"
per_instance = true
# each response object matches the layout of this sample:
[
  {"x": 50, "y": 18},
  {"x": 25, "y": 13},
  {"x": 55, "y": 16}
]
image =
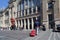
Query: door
[{"x": 51, "y": 20}]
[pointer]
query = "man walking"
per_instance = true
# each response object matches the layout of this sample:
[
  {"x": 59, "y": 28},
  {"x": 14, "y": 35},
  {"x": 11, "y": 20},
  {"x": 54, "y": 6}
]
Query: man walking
[{"x": 37, "y": 25}]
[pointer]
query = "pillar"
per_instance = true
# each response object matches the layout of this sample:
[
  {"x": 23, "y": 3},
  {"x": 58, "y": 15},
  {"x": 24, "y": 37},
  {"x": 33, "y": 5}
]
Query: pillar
[
  {"x": 45, "y": 14},
  {"x": 57, "y": 12},
  {"x": 9, "y": 17},
  {"x": 28, "y": 24},
  {"x": 3, "y": 19},
  {"x": 13, "y": 12},
  {"x": 24, "y": 24},
  {"x": 36, "y": 9},
  {"x": 32, "y": 23},
  {"x": 18, "y": 24},
  {"x": 32, "y": 10}
]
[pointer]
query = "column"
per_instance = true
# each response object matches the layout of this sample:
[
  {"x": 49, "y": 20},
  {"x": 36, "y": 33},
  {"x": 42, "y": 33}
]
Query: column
[
  {"x": 45, "y": 14},
  {"x": 32, "y": 10},
  {"x": 18, "y": 14},
  {"x": 19, "y": 10},
  {"x": 36, "y": 18},
  {"x": 28, "y": 11},
  {"x": 24, "y": 13},
  {"x": 32, "y": 23},
  {"x": 57, "y": 12},
  {"x": 18, "y": 24},
  {"x": 13, "y": 12},
  {"x": 3, "y": 19},
  {"x": 28, "y": 24},
  {"x": 24, "y": 24},
  {"x": 59, "y": 8},
  {"x": 9, "y": 17},
  {"x": 36, "y": 9}
]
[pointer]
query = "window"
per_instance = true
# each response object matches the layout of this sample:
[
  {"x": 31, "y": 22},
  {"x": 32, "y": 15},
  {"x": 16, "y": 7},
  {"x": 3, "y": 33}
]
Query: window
[
  {"x": 22, "y": 12},
  {"x": 23, "y": 22},
  {"x": 36, "y": 3},
  {"x": 34, "y": 10},
  {"x": 26, "y": 11},
  {"x": 22, "y": 5},
  {"x": 38, "y": 9},
  {"x": 30, "y": 10},
  {"x": 7, "y": 13},
  {"x": 20, "y": 22},
  {"x": 26, "y": 2},
  {"x": 50, "y": 5},
  {"x": 30, "y": 3}
]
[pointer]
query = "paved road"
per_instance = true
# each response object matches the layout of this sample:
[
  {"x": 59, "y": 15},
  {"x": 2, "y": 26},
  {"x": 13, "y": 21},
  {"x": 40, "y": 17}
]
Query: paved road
[{"x": 24, "y": 35}]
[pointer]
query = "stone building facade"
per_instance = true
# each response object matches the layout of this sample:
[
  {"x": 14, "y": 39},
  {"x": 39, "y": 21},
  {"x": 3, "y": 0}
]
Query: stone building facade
[
  {"x": 1, "y": 19},
  {"x": 5, "y": 18},
  {"x": 26, "y": 12}
]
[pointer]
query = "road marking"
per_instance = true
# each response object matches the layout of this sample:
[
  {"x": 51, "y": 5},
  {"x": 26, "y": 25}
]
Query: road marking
[
  {"x": 2, "y": 36},
  {"x": 54, "y": 36},
  {"x": 58, "y": 35},
  {"x": 50, "y": 36}
]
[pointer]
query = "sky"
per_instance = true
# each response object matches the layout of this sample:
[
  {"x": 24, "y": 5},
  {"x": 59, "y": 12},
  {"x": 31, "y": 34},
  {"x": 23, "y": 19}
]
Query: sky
[{"x": 3, "y": 3}]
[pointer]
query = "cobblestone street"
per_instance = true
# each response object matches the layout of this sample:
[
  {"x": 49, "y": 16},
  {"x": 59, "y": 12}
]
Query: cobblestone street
[{"x": 24, "y": 35}]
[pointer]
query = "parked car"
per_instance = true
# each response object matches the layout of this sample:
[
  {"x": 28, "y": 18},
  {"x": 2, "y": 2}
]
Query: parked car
[{"x": 58, "y": 27}]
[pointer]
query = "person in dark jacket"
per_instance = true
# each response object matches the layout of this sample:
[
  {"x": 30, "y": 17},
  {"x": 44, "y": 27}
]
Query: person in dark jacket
[
  {"x": 43, "y": 27},
  {"x": 13, "y": 27},
  {"x": 37, "y": 25}
]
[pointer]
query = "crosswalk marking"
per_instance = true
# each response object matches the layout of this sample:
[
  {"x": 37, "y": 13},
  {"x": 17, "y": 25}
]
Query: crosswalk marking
[
  {"x": 58, "y": 35},
  {"x": 54, "y": 36},
  {"x": 50, "y": 36}
]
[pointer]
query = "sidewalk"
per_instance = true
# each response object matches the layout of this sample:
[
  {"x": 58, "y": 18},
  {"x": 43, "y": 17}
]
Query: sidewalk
[{"x": 41, "y": 33}]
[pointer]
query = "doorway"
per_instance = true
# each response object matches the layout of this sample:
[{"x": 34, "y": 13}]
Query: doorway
[{"x": 51, "y": 21}]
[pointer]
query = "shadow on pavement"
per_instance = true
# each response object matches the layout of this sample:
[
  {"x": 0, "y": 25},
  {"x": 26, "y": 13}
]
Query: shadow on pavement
[{"x": 55, "y": 31}]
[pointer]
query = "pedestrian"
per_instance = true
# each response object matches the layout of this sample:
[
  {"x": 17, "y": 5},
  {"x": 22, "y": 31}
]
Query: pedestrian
[
  {"x": 43, "y": 27},
  {"x": 13, "y": 27},
  {"x": 37, "y": 25}
]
